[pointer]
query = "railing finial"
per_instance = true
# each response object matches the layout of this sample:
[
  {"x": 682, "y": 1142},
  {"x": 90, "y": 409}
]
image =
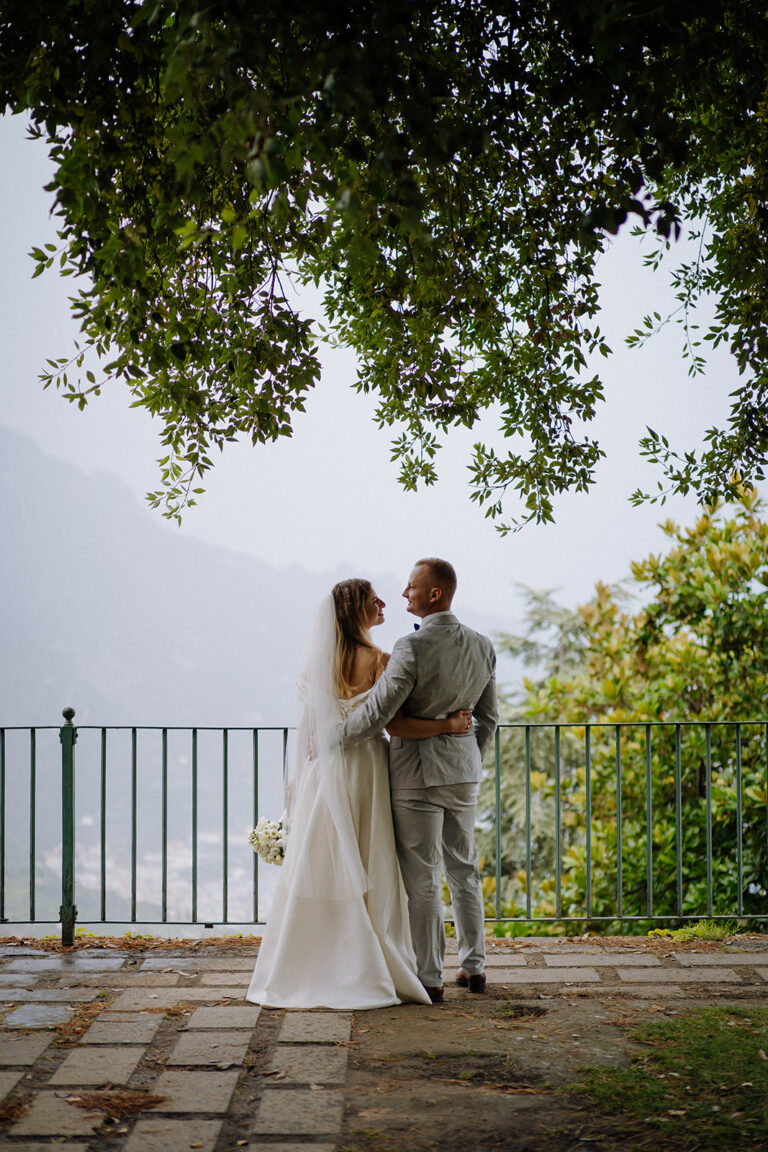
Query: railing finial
[{"x": 68, "y": 714}]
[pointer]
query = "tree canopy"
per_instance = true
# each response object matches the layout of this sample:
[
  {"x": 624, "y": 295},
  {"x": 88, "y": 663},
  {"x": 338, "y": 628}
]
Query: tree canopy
[
  {"x": 445, "y": 171},
  {"x": 695, "y": 648}
]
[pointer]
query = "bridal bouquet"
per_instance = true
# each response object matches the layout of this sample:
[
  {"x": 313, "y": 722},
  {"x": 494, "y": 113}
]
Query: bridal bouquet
[{"x": 268, "y": 840}]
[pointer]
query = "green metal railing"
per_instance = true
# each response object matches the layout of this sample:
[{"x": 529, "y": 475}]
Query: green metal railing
[
  {"x": 599, "y": 822},
  {"x": 685, "y": 812}
]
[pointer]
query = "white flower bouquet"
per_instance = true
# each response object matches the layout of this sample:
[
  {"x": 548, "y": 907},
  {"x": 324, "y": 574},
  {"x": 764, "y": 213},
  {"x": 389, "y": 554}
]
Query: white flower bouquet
[{"x": 268, "y": 840}]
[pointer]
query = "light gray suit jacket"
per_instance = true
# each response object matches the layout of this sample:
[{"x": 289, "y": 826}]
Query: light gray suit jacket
[{"x": 442, "y": 667}]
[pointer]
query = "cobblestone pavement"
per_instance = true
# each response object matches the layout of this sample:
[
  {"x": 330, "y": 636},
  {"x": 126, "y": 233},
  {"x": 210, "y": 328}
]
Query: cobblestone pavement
[{"x": 219, "y": 1073}]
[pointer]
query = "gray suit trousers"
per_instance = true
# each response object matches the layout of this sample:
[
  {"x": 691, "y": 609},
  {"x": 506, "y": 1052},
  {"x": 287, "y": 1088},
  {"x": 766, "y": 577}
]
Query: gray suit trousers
[{"x": 427, "y": 819}]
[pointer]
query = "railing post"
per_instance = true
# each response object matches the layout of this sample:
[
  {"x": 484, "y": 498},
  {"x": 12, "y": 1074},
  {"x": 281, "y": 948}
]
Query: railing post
[{"x": 68, "y": 911}]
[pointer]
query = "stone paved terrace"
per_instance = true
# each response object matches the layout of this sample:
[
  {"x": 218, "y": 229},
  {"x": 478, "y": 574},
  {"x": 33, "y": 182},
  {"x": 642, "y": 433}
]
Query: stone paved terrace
[{"x": 166, "y": 1039}]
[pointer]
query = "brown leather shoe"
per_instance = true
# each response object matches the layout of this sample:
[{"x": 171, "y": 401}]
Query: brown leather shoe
[
  {"x": 475, "y": 983},
  {"x": 436, "y": 995}
]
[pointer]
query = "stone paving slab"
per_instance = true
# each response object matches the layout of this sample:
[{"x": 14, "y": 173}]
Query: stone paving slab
[
  {"x": 51, "y": 1115},
  {"x": 651, "y": 975},
  {"x": 497, "y": 960},
  {"x": 97, "y": 1066},
  {"x": 622, "y": 991},
  {"x": 40, "y": 1146},
  {"x": 138, "y": 998},
  {"x": 542, "y": 975},
  {"x": 20, "y": 950},
  {"x": 199, "y": 964},
  {"x": 601, "y": 961},
  {"x": 8, "y": 1081},
  {"x": 15, "y": 980},
  {"x": 120, "y": 980},
  {"x": 124, "y": 1028},
  {"x": 78, "y": 963},
  {"x": 195, "y": 1091},
  {"x": 763, "y": 973},
  {"x": 123, "y": 953},
  {"x": 492, "y": 975},
  {"x": 316, "y": 1027},
  {"x": 160, "y": 1135},
  {"x": 52, "y": 995},
  {"x": 451, "y": 963},
  {"x": 241, "y": 979},
  {"x": 22, "y": 1050},
  {"x": 223, "y": 1049},
  {"x": 710, "y": 959},
  {"x": 221, "y": 1017},
  {"x": 543, "y": 946},
  {"x": 309, "y": 1064},
  {"x": 294, "y": 1112},
  {"x": 37, "y": 1016}
]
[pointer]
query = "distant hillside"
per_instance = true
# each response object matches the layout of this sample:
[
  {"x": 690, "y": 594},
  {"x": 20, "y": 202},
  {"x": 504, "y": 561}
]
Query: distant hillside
[{"x": 107, "y": 608}]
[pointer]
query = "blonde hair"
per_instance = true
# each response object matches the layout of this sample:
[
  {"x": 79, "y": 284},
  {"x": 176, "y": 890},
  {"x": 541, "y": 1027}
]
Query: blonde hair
[{"x": 349, "y": 600}]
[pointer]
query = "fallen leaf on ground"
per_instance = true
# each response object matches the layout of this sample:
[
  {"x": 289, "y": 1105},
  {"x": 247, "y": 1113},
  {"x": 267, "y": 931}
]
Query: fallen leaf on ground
[{"x": 117, "y": 1102}]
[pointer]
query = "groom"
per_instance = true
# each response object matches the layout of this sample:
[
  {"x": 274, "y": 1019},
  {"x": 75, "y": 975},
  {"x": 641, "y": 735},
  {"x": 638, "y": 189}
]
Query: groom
[{"x": 441, "y": 667}]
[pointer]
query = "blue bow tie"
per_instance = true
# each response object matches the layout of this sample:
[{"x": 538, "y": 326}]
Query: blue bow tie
[{"x": 416, "y": 627}]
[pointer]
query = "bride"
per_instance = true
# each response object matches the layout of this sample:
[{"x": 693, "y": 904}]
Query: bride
[{"x": 338, "y": 934}]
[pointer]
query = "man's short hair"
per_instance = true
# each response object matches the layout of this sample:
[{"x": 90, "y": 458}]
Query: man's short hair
[{"x": 443, "y": 574}]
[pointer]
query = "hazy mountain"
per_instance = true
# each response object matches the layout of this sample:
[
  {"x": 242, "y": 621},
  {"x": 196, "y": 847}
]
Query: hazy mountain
[{"x": 107, "y": 608}]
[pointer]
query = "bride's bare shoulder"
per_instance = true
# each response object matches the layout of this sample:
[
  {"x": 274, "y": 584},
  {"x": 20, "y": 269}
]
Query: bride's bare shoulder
[{"x": 368, "y": 665}]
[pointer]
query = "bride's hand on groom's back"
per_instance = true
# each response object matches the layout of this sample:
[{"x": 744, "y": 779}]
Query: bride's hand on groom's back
[{"x": 459, "y": 723}]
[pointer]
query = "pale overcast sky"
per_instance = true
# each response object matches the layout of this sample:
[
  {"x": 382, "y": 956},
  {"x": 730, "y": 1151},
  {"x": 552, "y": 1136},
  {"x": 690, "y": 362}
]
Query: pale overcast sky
[{"x": 329, "y": 497}]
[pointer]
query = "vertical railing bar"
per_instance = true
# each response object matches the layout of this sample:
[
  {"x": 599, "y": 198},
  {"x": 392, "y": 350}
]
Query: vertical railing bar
[
  {"x": 255, "y": 822},
  {"x": 708, "y": 785},
  {"x": 528, "y": 895},
  {"x": 679, "y": 816},
  {"x": 497, "y": 793},
  {"x": 103, "y": 828},
  {"x": 134, "y": 820},
  {"x": 32, "y": 820},
  {"x": 619, "y": 847},
  {"x": 194, "y": 825},
  {"x": 68, "y": 911},
  {"x": 648, "y": 825},
  {"x": 558, "y": 846},
  {"x": 225, "y": 824},
  {"x": 739, "y": 828},
  {"x": 588, "y": 784},
  {"x": 2, "y": 826},
  {"x": 164, "y": 828}
]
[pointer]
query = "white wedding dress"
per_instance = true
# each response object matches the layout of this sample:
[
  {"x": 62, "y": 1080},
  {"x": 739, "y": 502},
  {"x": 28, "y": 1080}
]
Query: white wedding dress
[{"x": 338, "y": 934}]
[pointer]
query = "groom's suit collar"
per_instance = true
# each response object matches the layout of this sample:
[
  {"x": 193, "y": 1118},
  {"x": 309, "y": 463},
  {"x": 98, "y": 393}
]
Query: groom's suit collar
[{"x": 444, "y": 617}]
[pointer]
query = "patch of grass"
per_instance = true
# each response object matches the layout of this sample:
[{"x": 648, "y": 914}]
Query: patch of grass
[
  {"x": 366, "y": 1140},
  {"x": 520, "y": 1011},
  {"x": 701, "y": 930},
  {"x": 703, "y": 1084}
]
